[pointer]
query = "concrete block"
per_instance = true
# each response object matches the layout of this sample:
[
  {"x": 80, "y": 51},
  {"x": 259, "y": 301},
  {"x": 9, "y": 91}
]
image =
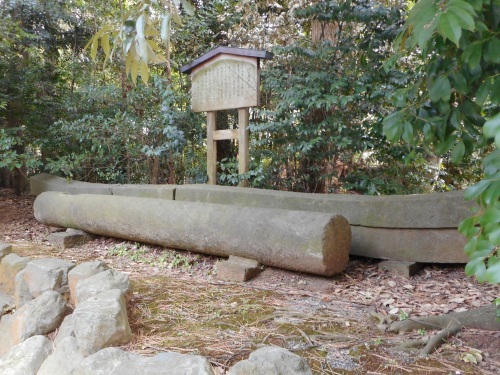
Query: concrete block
[
  {"x": 68, "y": 239},
  {"x": 405, "y": 269},
  {"x": 238, "y": 269}
]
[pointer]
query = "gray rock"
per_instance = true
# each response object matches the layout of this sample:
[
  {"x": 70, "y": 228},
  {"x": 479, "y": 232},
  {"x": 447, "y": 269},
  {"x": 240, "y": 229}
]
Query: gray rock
[
  {"x": 103, "y": 281},
  {"x": 66, "y": 329},
  {"x": 6, "y": 340},
  {"x": 6, "y": 303},
  {"x": 101, "y": 321},
  {"x": 271, "y": 360},
  {"x": 114, "y": 361},
  {"x": 48, "y": 274},
  {"x": 38, "y": 317},
  {"x": 82, "y": 271},
  {"x": 27, "y": 357},
  {"x": 22, "y": 293},
  {"x": 9, "y": 267},
  {"x": 65, "y": 358},
  {"x": 5, "y": 249}
]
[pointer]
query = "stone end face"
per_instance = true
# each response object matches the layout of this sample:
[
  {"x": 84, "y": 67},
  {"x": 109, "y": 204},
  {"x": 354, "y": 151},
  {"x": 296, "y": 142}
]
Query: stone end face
[{"x": 336, "y": 244}]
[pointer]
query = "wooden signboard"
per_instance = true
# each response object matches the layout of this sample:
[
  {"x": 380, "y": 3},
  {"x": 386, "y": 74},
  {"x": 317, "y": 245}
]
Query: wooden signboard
[{"x": 226, "y": 78}]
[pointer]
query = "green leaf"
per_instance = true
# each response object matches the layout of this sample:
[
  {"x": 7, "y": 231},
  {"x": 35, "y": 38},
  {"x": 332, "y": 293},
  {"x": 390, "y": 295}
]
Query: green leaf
[
  {"x": 495, "y": 91},
  {"x": 462, "y": 4},
  {"x": 407, "y": 132},
  {"x": 165, "y": 29},
  {"x": 464, "y": 18},
  {"x": 455, "y": 119},
  {"x": 459, "y": 82},
  {"x": 493, "y": 274},
  {"x": 474, "y": 191},
  {"x": 105, "y": 44},
  {"x": 492, "y": 127},
  {"x": 472, "y": 54},
  {"x": 449, "y": 27},
  {"x": 445, "y": 146},
  {"x": 494, "y": 236},
  {"x": 188, "y": 7},
  {"x": 492, "y": 51},
  {"x": 476, "y": 267},
  {"x": 392, "y": 126},
  {"x": 483, "y": 92},
  {"x": 476, "y": 4},
  {"x": 470, "y": 246},
  {"x": 93, "y": 48},
  {"x": 458, "y": 152},
  {"x": 441, "y": 89},
  {"x": 424, "y": 19}
]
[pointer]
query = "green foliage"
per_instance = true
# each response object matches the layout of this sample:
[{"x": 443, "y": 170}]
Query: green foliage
[
  {"x": 453, "y": 107},
  {"x": 320, "y": 128}
]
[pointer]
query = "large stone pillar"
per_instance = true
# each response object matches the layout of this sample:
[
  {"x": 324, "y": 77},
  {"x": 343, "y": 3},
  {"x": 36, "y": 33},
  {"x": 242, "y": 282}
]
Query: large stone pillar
[{"x": 310, "y": 242}]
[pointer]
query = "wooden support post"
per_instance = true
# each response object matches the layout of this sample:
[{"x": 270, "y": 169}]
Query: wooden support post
[
  {"x": 243, "y": 143},
  {"x": 211, "y": 148}
]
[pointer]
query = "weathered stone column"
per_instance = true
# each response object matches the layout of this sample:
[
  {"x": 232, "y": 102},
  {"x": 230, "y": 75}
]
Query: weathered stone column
[{"x": 310, "y": 242}]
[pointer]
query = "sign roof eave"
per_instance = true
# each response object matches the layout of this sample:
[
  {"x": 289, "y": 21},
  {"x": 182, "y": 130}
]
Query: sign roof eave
[{"x": 259, "y": 54}]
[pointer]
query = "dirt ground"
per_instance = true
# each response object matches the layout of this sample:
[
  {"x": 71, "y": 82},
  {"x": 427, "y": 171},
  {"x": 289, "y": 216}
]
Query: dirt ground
[{"x": 180, "y": 305}]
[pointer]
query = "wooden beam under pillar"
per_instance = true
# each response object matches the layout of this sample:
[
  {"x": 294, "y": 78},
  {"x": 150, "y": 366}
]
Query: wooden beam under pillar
[
  {"x": 211, "y": 148},
  {"x": 243, "y": 143}
]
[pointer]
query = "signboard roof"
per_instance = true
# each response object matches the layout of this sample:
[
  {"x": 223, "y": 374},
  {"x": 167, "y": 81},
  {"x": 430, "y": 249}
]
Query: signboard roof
[{"x": 259, "y": 54}]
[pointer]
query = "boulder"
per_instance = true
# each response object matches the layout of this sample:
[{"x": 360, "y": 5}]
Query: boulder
[
  {"x": 9, "y": 267},
  {"x": 271, "y": 360},
  {"x": 38, "y": 317},
  {"x": 114, "y": 361},
  {"x": 66, "y": 329},
  {"x": 82, "y": 271},
  {"x": 27, "y": 357},
  {"x": 63, "y": 360},
  {"x": 22, "y": 293},
  {"x": 101, "y": 321},
  {"x": 103, "y": 281},
  {"x": 48, "y": 274}
]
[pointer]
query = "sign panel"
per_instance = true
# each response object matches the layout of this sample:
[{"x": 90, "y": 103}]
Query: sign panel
[{"x": 225, "y": 82}]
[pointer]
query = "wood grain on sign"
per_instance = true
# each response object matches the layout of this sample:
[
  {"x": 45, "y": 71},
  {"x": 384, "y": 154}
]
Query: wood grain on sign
[{"x": 225, "y": 82}]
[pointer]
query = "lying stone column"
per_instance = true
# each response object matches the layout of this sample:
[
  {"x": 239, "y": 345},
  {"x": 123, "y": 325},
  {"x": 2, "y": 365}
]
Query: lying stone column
[{"x": 310, "y": 242}]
